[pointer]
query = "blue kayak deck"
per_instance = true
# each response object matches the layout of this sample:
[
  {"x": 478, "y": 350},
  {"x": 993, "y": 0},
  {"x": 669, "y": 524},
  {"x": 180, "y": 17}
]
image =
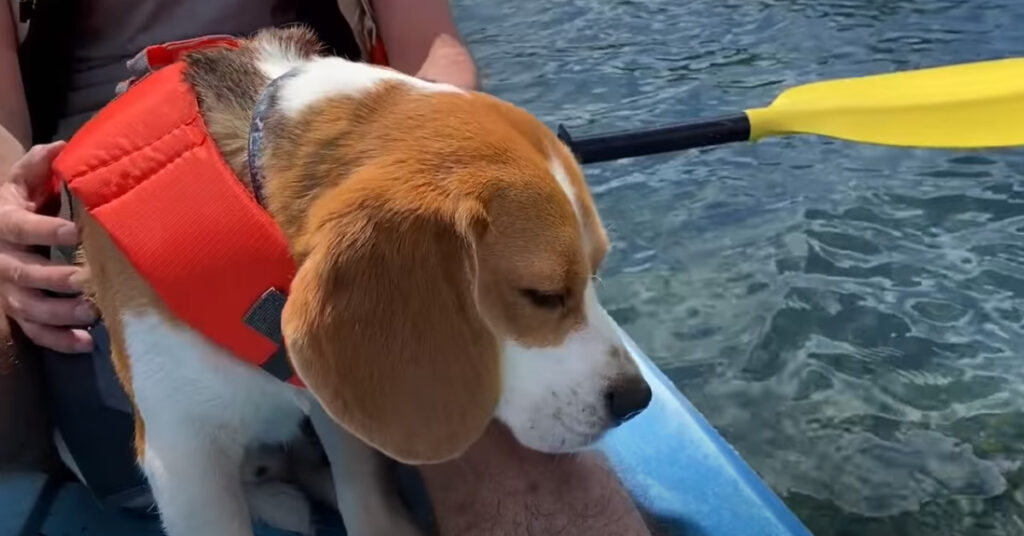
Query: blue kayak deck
[
  {"x": 680, "y": 469},
  {"x": 674, "y": 463}
]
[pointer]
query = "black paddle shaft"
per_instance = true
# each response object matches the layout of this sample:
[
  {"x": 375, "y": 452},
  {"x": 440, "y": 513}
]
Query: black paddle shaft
[{"x": 699, "y": 133}]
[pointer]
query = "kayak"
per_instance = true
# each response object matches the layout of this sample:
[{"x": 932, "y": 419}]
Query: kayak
[
  {"x": 673, "y": 462},
  {"x": 678, "y": 468}
]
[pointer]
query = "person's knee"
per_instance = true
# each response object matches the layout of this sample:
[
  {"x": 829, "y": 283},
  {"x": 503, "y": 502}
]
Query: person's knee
[{"x": 500, "y": 487}]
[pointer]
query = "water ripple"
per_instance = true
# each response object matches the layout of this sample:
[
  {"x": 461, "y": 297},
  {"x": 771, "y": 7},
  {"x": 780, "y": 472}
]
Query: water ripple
[{"x": 850, "y": 317}]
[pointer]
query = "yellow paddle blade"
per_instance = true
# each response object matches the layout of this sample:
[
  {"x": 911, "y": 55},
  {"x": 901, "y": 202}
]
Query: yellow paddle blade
[{"x": 970, "y": 105}]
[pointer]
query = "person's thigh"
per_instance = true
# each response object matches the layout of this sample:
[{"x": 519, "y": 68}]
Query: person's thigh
[
  {"x": 91, "y": 411},
  {"x": 25, "y": 439},
  {"x": 500, "y": 488}
]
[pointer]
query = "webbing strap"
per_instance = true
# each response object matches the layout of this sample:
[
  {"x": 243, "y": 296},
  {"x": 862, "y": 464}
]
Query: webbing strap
[
  {"x": 154, "y": 57},
  {"x": 160, "y": 55},
  {"x": 265, "y": 317},
  {"x": 66, "y": 211},
  {"x": 266, "y": 102}
]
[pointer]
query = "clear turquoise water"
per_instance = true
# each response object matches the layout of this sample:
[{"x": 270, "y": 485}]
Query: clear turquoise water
[{"x": 850, "y": 317}]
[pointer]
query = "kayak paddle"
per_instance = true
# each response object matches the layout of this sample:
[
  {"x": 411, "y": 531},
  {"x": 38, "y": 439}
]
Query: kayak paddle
[{"x": 971, "y": 105}]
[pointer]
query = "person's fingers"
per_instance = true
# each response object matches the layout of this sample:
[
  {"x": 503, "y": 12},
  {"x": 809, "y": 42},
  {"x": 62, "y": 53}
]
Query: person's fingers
[
  {"x": 31, "y": 305},
  {"x": 33, "y": 169},
  {"x": 24, "y": 269},
  {"x": 65, "y": 340},
  {"x": 22, "y": 227}
]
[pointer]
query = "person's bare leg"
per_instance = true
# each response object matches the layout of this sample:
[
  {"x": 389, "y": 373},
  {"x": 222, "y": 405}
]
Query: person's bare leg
[
  {"x": 25, "y": 427},
  {"x": 500, "y": 488}
]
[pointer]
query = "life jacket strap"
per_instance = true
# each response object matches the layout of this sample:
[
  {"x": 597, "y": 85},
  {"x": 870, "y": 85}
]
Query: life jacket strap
[
  {"x": 265, "y": 318},
  {"x": 161, "y": 55}
]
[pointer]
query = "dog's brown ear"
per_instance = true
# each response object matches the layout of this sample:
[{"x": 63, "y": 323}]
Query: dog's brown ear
[{"x": 382, "y": 325}]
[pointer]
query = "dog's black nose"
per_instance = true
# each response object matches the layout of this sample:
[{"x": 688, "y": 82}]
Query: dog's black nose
[{"x": 627, "y": 398}]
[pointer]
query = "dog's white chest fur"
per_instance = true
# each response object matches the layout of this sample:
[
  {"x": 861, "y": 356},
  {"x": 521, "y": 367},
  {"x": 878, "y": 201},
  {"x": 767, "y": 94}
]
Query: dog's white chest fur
[
  {"x": 202, "y": 406},
  {"x": 204, "y": 380}
]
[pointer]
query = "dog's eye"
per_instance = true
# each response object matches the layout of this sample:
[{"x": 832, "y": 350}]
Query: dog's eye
[{"x": 545, "y": 300}]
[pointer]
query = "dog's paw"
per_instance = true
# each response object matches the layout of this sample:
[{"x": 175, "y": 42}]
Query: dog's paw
[
  {"x": 311, "y": 469},
  {"x": 264, "y": 463},
  {"x": 281, "y": 506}
]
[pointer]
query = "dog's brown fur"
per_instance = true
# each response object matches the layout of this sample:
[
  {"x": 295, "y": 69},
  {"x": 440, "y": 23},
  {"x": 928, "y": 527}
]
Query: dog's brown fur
[{"x": 228, "y": 82}]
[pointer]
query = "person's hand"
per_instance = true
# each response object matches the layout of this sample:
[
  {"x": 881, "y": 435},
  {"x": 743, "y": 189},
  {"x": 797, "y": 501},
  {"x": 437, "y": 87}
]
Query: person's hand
[
  {"x": 449, "y": 62},
  {"x": 48, "y": 321}
]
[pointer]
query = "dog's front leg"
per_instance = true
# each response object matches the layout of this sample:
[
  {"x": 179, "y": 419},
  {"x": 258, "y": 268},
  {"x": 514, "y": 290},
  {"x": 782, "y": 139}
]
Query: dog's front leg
[
  {"x": 193, "y": 470},
  {"x": 368, "y": 502}
]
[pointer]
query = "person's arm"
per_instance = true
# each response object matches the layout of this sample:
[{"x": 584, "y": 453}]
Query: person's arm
[
  {"x": 421, "y": 39},
  {"x": 15, "y": 132},
  {"x": 25, "y": 441},
  {"x": 500, "y": 488},
  {"x": 24, "y": 174}
]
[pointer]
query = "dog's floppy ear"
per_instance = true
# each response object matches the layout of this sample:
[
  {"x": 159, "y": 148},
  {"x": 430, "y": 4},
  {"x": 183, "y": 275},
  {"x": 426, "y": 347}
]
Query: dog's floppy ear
[{"x": 382, "y": 325}]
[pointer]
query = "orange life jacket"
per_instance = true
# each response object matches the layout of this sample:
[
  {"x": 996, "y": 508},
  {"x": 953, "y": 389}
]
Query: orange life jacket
[{"x": 146, "y": 169}]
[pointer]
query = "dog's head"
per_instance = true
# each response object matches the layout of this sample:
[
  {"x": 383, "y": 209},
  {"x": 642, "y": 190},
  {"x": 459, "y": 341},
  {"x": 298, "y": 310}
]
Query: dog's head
[{"x": 448, "y": 248}]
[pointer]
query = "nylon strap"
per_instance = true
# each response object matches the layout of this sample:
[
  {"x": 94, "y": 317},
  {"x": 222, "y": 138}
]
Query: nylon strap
[
  {"x": 265, "y": 317},
  {"x": 161, "y": 55},
  {"x": 266, "y": 101}
]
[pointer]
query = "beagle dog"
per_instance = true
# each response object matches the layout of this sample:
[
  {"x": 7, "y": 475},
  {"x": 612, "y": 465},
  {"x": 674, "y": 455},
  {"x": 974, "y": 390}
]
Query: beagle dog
[{"x": 446, "y": 249}]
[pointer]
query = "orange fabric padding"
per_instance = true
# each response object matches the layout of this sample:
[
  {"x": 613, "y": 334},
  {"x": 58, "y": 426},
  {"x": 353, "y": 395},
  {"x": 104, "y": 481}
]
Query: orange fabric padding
[{"x": 147, "y": 170}]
